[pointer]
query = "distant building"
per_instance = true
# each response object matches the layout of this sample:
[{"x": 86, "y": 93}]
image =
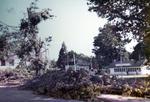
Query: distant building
[
  {"x": 77, "y": 64},
  {"x": 9, "y": 62},
  {"x": 128, "y": 68},
  {"x": 80, "y": 61}
]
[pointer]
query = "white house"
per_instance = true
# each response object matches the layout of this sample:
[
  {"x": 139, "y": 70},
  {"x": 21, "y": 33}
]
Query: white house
[
  {"x": 78, "y": 64},
  {"x": 128, "y": 68},
  {"x": 10, "y": 62}
]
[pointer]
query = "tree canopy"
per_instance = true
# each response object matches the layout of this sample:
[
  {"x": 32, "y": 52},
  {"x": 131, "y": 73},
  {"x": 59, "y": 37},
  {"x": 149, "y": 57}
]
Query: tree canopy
[
  {"x": 106, "y": 46},
  {"x": 127, "y": 16}
]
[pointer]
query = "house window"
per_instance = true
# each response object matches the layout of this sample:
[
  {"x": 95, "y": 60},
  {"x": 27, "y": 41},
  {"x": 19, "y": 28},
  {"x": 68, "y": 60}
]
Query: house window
[
  {"x": 117, "y": 70},
  {"x": 139, "y": 69},
  {"x": 3, "y": 63},
  {"x": 148, "y": 68},
  {"x": 11, "y": 62}
]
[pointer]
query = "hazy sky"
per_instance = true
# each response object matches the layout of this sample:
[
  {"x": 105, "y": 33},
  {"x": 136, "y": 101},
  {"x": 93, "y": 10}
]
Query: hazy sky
[{"x": 73, "y": 24}]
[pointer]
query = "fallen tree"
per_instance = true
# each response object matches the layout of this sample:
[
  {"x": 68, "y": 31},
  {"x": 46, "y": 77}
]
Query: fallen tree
[{"x": 65, "y": 84}]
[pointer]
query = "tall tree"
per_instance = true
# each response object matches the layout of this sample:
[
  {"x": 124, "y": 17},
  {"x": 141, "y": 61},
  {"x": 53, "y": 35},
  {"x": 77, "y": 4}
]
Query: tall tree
[
  {"x": 107, "y": 46},
  {"x": 128, "y": 16},
  {"x": 24, "y": 41},
  {"x": 62, "y": 59},
  {"x": 31, "y": 46}
]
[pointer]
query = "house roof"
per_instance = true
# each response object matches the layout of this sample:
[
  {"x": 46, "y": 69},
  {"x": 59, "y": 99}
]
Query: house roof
[
  {"x": 126, "y": 64},
  {"x": 80, "y": 62}
]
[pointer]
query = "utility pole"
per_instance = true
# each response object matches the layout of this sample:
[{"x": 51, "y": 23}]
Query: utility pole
[
  {"x": 68, "y": 59},
  {"x": 91, "y": 63},
  {"x": 121, "y": 53},
  {"x": 74, "y": 60}
]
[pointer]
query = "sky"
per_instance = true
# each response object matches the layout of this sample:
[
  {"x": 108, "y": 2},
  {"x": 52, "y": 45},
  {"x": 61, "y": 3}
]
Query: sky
[{"x": 73, "y": 23}]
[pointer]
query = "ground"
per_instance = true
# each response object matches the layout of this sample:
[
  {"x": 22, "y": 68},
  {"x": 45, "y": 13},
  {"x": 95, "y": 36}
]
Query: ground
[
  {"x": 12, "y": 94},
  {"x": 117, "y": 98}
]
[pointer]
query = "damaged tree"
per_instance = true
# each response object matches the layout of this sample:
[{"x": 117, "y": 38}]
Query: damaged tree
[
  {"x": 31, "y": 47},
  {"x": 25, "y": 42}
]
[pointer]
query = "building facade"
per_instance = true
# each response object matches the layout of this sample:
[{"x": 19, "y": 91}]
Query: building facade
[
  {"x": 128, "y": 68},
  {"x": 78, "y": 64},
  {"x": 9, "y": 62}
]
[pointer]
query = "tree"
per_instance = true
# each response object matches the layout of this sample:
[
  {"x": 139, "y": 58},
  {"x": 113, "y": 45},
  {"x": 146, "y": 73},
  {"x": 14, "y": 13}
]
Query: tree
[
  {"x": 107, "y": 46},
  {"x": 24, "y": 42},
  {"x": 79, "y": 58},
  {"x": 147, "y": 37},
  {"x": 31, "y": 46},
  {"x": 3, "y": 43},
  {"x": 95, "y": 63},
  {"x": 62, "y": 59},
  {"x": 128, "y": 16},
  {"x": 8, "y": 42},
  {"x": 138, "y": 52},
  {"x": 106, "y": 55},
  {"x": 53, "y": 64}
]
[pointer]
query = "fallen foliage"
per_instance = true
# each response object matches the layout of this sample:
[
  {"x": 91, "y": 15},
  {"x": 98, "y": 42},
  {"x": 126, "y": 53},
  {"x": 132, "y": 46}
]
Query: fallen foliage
[
  {"x": 65, "y": 84},
  {"x": 14, "y": 76}
]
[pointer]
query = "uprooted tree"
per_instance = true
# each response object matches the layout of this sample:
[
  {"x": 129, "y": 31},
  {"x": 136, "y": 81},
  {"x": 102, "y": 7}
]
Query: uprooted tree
[
  {"x": 24, "y": 41},
  {"x": 128, "y": 16}
]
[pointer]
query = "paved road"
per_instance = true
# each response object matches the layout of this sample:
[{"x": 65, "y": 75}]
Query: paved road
[
  {"x": 117, "y": 98},
  {"x": 12, "y": 94}
]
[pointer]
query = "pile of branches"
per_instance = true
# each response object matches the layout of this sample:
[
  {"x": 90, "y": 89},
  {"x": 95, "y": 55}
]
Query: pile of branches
[
  {"x": 14, "y": 76},
  {"x": 139, "y": 87},
  {"x": 82, "y": 86},
  {"x": 65, "y": 84}
]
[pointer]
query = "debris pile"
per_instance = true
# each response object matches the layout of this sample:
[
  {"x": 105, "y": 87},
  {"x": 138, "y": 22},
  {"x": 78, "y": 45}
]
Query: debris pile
[
  {"x": 14, "y": 76},
  {"x": 65, "y": 84}
]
